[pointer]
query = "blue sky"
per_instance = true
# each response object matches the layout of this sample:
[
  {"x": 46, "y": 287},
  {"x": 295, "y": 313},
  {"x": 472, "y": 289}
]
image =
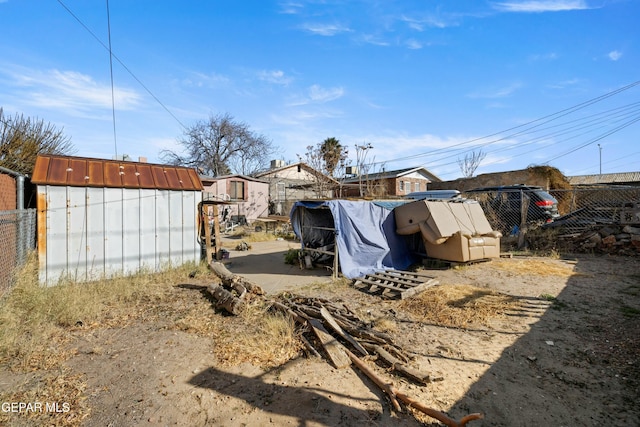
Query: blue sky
[{"x": 423, "y": 82}]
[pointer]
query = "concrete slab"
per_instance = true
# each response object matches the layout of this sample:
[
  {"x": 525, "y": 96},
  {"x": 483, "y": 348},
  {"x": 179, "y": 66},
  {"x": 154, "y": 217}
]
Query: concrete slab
[{"x": 264, "y": 265}]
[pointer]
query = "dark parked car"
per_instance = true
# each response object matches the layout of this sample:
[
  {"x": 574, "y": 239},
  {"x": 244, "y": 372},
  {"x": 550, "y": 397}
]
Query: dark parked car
[{"x": 509, "y": 202}]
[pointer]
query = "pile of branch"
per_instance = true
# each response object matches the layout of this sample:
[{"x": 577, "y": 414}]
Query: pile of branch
[
  {"x": 338, "y": 331},
  {"x": 231, "y": 294},
  {"x": 335, "y": 328}
]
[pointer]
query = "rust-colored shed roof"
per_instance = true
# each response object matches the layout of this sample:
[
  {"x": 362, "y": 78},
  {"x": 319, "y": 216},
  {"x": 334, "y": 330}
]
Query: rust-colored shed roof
[{"x": 87, "y": 172}]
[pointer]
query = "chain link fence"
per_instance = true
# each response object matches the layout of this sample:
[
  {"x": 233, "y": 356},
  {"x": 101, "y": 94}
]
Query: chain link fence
[
  {"x": 582, "y": 209},
  {"x": 579, "y": 212},
  {"x": 17, "y": 238}
]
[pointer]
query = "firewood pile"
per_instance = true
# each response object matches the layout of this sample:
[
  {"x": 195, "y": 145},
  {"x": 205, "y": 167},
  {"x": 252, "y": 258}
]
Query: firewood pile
[
  {"x": 610, "y": 239},
  {"x": 231, "y": 295},
  {"x": 334, "y": 330}
]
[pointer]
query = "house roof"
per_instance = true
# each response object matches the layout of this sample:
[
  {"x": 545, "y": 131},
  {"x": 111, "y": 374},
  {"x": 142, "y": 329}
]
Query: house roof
[
  {"x": 210, "y": 179},
  {"x": 303, "y": 165},
  {"x": 606, "y": 178},
  {"x": 397, "y": 174},
  {"x": 89, "y": 172}
]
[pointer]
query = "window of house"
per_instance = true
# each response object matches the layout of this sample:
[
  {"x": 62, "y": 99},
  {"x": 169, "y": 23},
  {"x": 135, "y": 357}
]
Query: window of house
[
  {"x": 401, "y": 185},
  {"x": 280, "y": 191},
  {"x": 236, "y": 190},
  {"x": 416, "y": 186}
]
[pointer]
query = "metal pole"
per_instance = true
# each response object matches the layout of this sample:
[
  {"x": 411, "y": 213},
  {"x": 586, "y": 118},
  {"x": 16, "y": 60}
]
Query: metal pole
[
  {"x": 600, "y": 148},
  {"x": 22, "y": 236}
]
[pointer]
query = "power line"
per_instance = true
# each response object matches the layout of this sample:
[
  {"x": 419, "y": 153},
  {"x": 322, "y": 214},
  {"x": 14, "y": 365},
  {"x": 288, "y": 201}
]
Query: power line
[
  {"x": 588, "y": 124},
  {"x": 573, "y": 149},
  {"x": 617, "y": 129},
  {"x": 612, "y": 161},
  {"x": 528, "y": 127},
  {"x": 122, "y": 64},
  {"x": 113, "y": 101}
]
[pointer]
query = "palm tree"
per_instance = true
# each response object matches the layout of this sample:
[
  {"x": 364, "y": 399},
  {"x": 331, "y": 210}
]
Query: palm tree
[{"x": 333, "y": 153}]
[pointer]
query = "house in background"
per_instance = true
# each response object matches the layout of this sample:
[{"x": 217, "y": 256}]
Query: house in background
[
  {"x": 291, "y": 183},
  {"x": 621, "y": 178},
  {"x": 8, "y": 186},
  {"x": 245, "y": 197},
  {"x": 388, "y": 183},
  {"x": 98, "y": 218},
  {"x": 17, "y": 224}
]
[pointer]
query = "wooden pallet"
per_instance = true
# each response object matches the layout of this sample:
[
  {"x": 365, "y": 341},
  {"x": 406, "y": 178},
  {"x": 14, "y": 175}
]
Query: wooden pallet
[{"x": 395, "y": 283}]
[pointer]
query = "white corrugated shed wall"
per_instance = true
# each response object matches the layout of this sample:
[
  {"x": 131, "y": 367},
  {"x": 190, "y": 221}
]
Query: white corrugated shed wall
[{"x": 92, "y": 233}]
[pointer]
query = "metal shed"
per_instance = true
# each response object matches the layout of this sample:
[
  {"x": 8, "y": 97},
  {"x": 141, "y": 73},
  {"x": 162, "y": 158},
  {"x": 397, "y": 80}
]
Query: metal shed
[{"x": 99, "y": 218}]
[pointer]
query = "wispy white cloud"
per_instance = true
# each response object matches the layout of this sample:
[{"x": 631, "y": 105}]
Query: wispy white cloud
[
  {"x": 67, "y": 90},
  {"x": 374, "y": 40},
  {"x": 321, "y": 95},
  {"x": 413, "y": 44},
  {"x": 564, "y": 84},
  {"x": 325, "y": 29},
  {"x": 316, "y": 94},
  {"x": 420, "y": 24},
  {"x": 198, "y": 79},
  {"x": 500, "y": 92},
  {"x": 614, "y": 55},
  {"x": 391, "y": 149},
  {"x": 277, "y": 77},
  {"x": 290, "y": 7},
  {"x": 539, "y": 6},
  {"x": 552, "y": 56}
]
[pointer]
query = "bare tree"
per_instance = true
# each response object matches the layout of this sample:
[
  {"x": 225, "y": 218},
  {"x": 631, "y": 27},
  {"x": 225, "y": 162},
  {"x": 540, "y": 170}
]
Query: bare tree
[
  {"x": 22, "y": 139},
  {"x": 470, "y": 163},
  {"x": 363, "y": 166},
  {"x": 315, "y": 158},
  {"x": 219, "y": 146}
]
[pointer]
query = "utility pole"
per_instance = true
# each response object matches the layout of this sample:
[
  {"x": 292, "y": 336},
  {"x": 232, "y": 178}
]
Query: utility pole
[{"x": 600, "y": 149}]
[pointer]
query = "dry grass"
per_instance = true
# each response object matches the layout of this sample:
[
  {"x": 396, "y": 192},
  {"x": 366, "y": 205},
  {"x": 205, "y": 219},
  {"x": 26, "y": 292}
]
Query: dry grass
[
  {"x": 458, "y": 306},
  {"x": 538, "y": 267},
  {"x": 246, "y": 234},
  {"x": 259, "y": 337},
  {"x": 386, "y": 324},
  {"x": 37, "y": 324},
  {"x": 59, "y": 388},
  {"x": 33, "y": 316}
]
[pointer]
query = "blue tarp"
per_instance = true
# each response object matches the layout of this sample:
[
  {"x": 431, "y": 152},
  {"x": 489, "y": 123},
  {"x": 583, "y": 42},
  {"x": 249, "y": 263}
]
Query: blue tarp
[{"x": 365, "y": 233}]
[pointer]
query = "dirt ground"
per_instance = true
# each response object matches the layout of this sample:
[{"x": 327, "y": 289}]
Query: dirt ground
[{"x": 568, "y": 354}]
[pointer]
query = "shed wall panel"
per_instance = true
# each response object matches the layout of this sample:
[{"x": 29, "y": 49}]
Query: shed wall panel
[
  {"x": 162, "y": 228},
  {"x": 147, "y": 232},
  {"x": 113, "y": 229},
  {"x": 131, "y": 236},
  {"x": 189, "y": 218},
  {"x": 95, "y": 248},
  {"x": 56, "y": 232},
  {"x": 175, "y": 227},
  {"x": 76, "y": 234},
  {"x": 91, "y": 233}
]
